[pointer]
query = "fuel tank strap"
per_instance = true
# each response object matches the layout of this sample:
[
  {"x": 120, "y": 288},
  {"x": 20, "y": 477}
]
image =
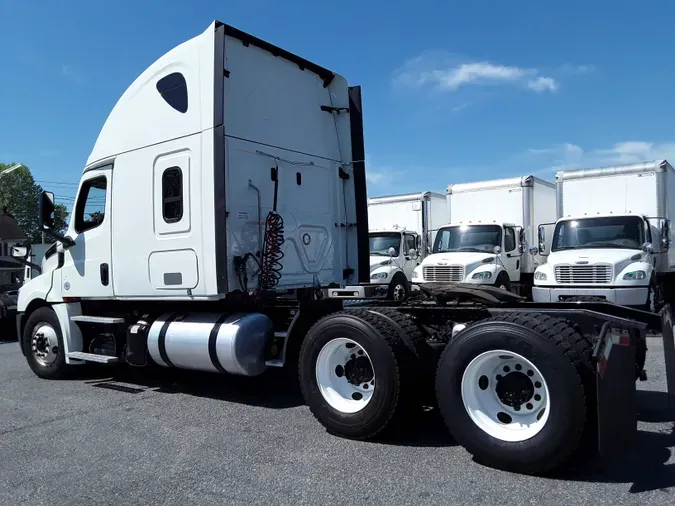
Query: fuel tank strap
[
  {"x": 161, "y": 339},
  {"x": 213, "y": 338}
]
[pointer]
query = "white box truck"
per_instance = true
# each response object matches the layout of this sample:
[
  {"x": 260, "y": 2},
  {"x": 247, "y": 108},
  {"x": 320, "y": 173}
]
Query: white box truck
[
  {"x": 611, "y": 240},
  {"x": 401, "y": 230},
  {"x": 490, "y": 225},
  {"x": 224, "y": 200}
]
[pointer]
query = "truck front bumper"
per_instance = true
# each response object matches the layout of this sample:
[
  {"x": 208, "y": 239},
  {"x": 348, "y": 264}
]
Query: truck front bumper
[{"x": 630, "y": 296}]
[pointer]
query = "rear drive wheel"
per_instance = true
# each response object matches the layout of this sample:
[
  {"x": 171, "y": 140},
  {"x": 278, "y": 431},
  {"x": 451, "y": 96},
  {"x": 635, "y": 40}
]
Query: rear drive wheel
[
  {"x": 356, "y": 374},
  {"x": 512, "y": 390},
  {"x": 43, "y": 343}
]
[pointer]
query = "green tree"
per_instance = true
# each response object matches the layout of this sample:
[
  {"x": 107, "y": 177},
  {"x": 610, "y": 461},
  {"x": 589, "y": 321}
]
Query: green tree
[{"x": 20, "y": 194}]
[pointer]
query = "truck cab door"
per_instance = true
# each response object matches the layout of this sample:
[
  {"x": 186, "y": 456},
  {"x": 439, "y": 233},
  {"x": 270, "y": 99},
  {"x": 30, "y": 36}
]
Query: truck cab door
[
  {"x": 87, "y": 270},
  {"x": 511, "y": 256},
  {"x": 409, "y": 262}
]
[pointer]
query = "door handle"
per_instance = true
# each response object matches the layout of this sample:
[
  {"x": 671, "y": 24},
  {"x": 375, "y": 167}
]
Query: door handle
[{"x": 105, "y": 274}]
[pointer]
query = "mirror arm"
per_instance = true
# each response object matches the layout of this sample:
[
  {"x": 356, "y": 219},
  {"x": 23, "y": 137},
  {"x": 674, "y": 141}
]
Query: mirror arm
[
  {"x": 25, "y": 262},
  {"x": 63, "y": 239}
]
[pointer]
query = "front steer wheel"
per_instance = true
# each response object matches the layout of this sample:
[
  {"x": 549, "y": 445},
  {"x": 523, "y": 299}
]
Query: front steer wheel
[
  {"x": 513, "y": 390},
  {"x": 42, "y": 341},
  {"x": 357, "y": 374}
]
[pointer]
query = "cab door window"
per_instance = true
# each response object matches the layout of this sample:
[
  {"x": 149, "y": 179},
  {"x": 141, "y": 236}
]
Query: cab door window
[{"x": 90, "y": 208}]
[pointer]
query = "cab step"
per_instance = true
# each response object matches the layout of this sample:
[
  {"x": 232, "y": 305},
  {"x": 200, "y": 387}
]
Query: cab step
[
  {"x": 92, "y": 357},
  {"x": 105, "y": 320}
]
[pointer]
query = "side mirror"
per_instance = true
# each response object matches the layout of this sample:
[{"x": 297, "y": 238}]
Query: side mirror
[
  {"x": 413, "y": 253},
  {"x": 497, "y": 250},
  {"x": 542, "y": 249},
  {"x": 533, "y": 250},
  {"x": 47, "y": 217},
  {"x": 392, "y": 252},
  {"x": 19, "y": 252},
  {"x": 521, "y": 241},
  {"x": 648, "y": 248}
]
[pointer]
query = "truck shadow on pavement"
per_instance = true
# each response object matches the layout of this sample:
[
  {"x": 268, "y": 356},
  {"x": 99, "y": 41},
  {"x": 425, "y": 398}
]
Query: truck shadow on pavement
[
  {"x": 646, "y": 466},
  {"x": 275, "y": 389}
]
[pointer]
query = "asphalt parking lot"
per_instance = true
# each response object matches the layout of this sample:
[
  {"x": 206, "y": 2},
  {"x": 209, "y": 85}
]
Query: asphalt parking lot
[{"x": 194, "y": 439}]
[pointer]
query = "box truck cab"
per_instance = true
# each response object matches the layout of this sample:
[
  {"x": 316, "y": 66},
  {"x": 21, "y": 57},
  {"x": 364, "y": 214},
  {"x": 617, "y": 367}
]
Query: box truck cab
[
  {"x": 480, "y": 253},
  {"x": 402, "y": 230},
  {"x": 393, "y": 256},
  {"x": 611, "y": 241},
  {"x": 491, "y": 234}
]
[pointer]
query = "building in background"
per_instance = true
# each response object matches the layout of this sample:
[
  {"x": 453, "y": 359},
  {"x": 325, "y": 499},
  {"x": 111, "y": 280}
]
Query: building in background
[{"x": 11, "y": 272}]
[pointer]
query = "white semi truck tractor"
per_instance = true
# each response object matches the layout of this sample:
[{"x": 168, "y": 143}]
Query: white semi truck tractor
[
  {"x": 219, "y": 221},
  {"x": 491, "y": 227},
  {"x": 611, "y": 239},
  {"x": 401, "y": 230}
]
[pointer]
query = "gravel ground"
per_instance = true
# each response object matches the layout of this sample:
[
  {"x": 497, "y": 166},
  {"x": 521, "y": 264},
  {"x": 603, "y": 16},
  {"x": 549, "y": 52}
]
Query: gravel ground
[{"x": 194, "y": 439}]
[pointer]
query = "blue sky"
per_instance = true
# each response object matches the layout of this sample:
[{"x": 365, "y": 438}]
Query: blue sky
[{"x": 453, "y": 91}]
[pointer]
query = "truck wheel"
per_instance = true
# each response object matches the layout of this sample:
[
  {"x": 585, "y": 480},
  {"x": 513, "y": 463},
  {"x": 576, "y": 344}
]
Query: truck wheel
[
  {"x": 356, "y": 373},
  {"x": 399, "y": 288},
  {"x": 43, "y": 342},
  {"x": 512, "y": 390},
  {"x": 503, "y": 281}
]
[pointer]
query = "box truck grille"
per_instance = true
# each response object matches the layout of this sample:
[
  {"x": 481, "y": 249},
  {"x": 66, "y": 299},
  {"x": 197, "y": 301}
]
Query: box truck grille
[
  {"x": 444, "y": 273},
  {"x": 583, "y": 274}
]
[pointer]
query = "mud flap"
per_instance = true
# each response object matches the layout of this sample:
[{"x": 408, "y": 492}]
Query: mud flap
[{"x": 614, "y": 357}]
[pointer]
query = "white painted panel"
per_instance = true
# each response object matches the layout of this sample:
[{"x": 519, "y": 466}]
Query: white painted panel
[
  {"x": 134, "y": 233},
  {"x": 395, "y": 214},
  {"x": 314, "y": 247},
  {"x": 172, "y": 270},
  {"x": 631, "y": 193},
  {"x": 270, "y": 100},
  {"x": 491, "y": 205}
]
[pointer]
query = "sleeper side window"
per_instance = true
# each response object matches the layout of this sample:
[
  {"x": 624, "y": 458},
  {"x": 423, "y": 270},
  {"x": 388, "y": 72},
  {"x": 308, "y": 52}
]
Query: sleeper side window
[
  {"x": 172, "y": 194},
  {"x": 90, "y": 208}
]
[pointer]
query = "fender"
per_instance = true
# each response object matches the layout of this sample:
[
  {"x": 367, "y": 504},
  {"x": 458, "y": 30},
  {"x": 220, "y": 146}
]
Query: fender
[{"x": 495, "y": 269}]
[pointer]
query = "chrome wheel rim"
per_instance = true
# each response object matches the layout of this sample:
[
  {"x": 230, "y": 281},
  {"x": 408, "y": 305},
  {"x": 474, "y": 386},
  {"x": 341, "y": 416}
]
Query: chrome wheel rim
[{"x": 44, "y": 344}]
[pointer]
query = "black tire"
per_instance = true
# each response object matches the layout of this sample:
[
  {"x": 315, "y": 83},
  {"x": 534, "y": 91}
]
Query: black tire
[
  {"x": 560, "y": 352},
  {"x": 399, "y": 280},
  {"x": 57, "y": 369},
  {"x": 395, "y": 364},
  {"x": 503, "y": 279}
]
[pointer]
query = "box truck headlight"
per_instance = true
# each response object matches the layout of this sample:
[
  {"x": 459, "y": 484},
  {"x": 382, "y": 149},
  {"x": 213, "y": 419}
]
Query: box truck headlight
[
  {"x": 482, "y": 275},
  {"x": 635, "y": 275},
  {"x": 379, "y": 275},
  {"x": 540, "y": 275}
]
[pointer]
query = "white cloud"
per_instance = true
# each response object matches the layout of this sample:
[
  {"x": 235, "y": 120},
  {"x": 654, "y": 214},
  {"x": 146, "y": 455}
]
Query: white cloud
[
  {"x": 570, "y": 156},
  {"x": 449, "y": 73},
  {"x": 375, "y": 177},
  {"x": 541, "y": 84}
]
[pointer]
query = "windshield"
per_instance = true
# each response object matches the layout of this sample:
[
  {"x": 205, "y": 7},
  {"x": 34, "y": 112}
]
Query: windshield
[
  {"x": 380, "y": 244},
  {"x": 480, "y": 238},
  {"x": 606, "y": 232}
]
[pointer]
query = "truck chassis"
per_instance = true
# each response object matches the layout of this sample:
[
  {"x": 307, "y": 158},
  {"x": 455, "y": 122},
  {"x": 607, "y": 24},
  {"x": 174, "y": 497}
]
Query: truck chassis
[{"x": 522, "y": 386}]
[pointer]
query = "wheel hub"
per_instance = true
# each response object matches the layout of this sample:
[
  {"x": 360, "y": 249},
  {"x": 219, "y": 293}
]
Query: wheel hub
[
  {"x": 358, "y": 370},
  {"x": 514, "y": 389},
  {"x": 345, "y": 375},
  {"x": 44, "y": 345}
]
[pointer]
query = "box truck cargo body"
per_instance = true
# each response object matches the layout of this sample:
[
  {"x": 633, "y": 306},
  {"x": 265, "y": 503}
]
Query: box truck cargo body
[
  {"x": 402, "y": 229},
  {"x": 612, "y": 236},
  {"x": 491, "y": 224}
]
